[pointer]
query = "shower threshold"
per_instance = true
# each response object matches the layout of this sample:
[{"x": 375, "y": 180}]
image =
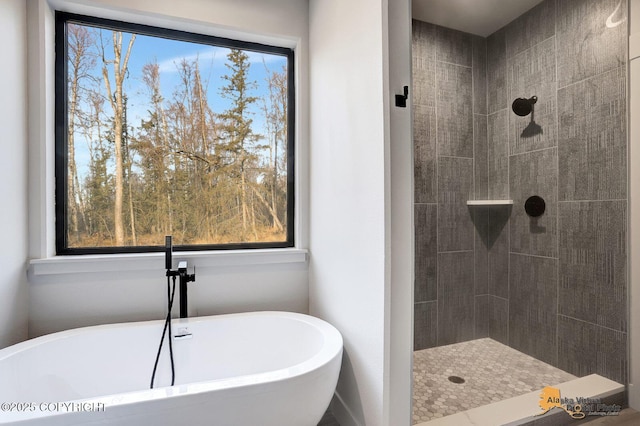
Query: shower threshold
[
  {"x": 485, "y": 382},
  {"x": 524, "y": 409}
]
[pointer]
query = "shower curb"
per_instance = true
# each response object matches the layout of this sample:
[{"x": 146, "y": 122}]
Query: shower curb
[{"x": 522, "y": 410}]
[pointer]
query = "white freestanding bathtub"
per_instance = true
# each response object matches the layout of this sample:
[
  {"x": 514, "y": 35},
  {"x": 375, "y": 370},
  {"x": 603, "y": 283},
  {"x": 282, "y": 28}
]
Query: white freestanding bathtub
[{"x": 253, "y": 369}]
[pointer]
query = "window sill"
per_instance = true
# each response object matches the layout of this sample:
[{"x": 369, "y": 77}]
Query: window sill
[{"x": 155, "y": 261}]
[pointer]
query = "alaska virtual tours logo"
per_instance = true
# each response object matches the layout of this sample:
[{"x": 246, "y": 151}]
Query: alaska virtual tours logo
[{"x": 577, "y": 408}]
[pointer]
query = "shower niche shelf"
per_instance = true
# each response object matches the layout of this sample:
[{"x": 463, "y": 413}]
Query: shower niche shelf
[{"x": 487, "y": 203}]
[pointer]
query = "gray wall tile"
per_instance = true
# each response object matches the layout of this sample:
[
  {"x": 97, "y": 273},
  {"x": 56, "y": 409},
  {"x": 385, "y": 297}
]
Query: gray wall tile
[
  {"x": 425, "y": 325},
  {"x": 496, "y": 72},
  {"x": 480, "y": 157},
  {"x": 499, "y": 319},
  {"x": 479, "y": 65},
  {"x": 532, "y": 73},
  {"x": 455, "y": 297},
  {"x": 453, "y": 46},
  {"x": 481, "y": 317},
  {"x": 498, "y": 157},
  {"x": 531, "y": 28},
  {"x": 611, "y": 355},
  {"x": 423, "y": 40},
  {"x": 585, "y": 348},
  {"x": 593, "y": 263},
  {"x": 426, "y": 252},
  {"x": 533, "y": 305},
  {"x": 481, "y": 224},
  {"x": 499, "y": 251},
  {"x": 592, "y": 138},
  {"x": 477, "y": 294},
  {"x": 586, "y": 45},
  {"x": 576, "y": 346},
  {"x": 534, "y": 173},
  {"x": 455, "y": 187},
  {"x": 424, "y": 64},
  {"x": 424, "y": 154},
  {"x": 455, "y": 110},
  {"x": 424, "y": 82}
]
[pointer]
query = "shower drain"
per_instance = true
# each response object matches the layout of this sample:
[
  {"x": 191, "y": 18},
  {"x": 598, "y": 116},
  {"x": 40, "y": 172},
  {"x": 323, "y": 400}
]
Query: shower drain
[{"x": 456, "y": 379}]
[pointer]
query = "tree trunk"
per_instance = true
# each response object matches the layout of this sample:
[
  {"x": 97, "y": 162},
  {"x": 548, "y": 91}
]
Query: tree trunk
[
  {"x": 117, "y": 104},
  {"x": 243, "y": 201},
  {"x": 79, "y": 41},
  {"x": 72, "y": 171},
  {"x": 274, "y": 214}
]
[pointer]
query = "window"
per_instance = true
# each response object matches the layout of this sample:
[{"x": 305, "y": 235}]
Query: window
[{"x": 162, "y": 132}]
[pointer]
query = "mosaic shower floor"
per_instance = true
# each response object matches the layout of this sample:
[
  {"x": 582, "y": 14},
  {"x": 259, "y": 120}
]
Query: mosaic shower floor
[{"x": 491, "y": 371}]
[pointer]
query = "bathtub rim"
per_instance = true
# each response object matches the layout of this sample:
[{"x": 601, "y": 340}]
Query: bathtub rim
[{"x": 330, "y": 351}]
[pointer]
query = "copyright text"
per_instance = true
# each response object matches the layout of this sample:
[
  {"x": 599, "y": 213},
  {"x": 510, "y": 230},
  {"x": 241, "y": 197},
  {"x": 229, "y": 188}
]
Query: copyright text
[{"x": 66, "y": 407}]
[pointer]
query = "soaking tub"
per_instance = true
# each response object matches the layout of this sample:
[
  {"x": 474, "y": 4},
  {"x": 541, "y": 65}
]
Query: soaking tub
[{"x": 259, "y": 368}]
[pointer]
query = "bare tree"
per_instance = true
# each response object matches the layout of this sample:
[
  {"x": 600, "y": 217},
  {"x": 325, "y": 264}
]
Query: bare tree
[
  {"x": 80, "y": 62},
  {"x": 158, "y": 148},
  {"x": 275, "y": 110},
  {"x": 117, "y": 104},
  {"x": 206, "y": 177}
]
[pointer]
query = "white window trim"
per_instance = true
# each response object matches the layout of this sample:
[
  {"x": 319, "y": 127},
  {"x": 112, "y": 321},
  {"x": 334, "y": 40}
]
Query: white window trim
[
  {"x": 100, "y": 263},
  {"x": 41, "y": 112}
]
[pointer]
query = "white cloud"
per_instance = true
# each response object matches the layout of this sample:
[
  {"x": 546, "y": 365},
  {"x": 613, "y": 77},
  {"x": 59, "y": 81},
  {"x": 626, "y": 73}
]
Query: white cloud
[
  {"x": 213, "y": 54},
  {"x": 209, "y": 55},
  {"x": 258, "y": 58}
]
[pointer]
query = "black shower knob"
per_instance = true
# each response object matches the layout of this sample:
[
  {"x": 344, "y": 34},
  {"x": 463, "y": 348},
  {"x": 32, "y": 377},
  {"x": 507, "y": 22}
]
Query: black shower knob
[{"x": 535, "y": 206}]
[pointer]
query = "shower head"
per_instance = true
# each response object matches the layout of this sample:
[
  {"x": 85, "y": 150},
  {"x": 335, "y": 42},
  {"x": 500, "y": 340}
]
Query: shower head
[{"x": 522, "y": 106}]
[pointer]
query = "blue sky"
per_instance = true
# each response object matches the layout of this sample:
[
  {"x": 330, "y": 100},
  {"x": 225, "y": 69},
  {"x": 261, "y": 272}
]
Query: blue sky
[
  {"x": 168, "y": 53},
  {"x": 211, "y": 60}
]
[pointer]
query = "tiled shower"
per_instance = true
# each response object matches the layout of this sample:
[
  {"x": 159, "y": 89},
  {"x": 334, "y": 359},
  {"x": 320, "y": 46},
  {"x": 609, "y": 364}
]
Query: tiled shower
[{"x": 552, "y": 287}]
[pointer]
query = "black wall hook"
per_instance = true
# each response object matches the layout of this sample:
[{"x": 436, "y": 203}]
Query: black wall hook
[{"x": 401, "y": 100}]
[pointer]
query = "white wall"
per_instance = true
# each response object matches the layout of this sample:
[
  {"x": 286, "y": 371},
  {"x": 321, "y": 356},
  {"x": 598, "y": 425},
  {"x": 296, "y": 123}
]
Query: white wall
[
  {"x": 634, "y": 204},
  {"x": 13, "y": 163},
  {"x": 61, "y": 295},
  {"x": 60, "y": 302},
  {"x": 349, "y": 273},
  {"x": 359, "y": 181}
]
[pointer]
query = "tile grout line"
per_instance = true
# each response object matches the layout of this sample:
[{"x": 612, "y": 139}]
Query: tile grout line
[
  {"x": 593, "y": 201},
  {"x": 456, "y": 157},
  {"x": 592, "y": 323},
  {"x": 533, "y": 151},
  {"x": 473, "y": 174},
  {"x": 486, "y": 135},
  {"x": 508, "y": 230},
  {"x": 557, "y": 354},
  {"x": 616, "y": 68},
  {"x": 458, "y": 65},
  {"x": 437, "y": 227}
]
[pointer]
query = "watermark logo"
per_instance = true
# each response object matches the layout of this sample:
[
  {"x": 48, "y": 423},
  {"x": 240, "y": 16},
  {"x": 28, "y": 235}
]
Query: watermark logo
[{"x": 577, "y": 408}]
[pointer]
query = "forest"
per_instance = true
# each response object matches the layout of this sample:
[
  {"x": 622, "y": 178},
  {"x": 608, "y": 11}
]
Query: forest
[{"x": 183, "y": 165}]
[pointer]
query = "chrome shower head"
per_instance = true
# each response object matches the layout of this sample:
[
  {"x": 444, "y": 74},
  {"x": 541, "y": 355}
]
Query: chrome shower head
[{"x": 522, "y": 106}]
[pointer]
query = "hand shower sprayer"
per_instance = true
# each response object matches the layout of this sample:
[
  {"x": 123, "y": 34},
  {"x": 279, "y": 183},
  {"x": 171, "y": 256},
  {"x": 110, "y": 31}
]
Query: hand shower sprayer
[
  {"x": 168, "y": 262},
  {"x": 185, "y": 277},
  {"x": 181, "y": 273},
  {"x": 168, "y": 248}
]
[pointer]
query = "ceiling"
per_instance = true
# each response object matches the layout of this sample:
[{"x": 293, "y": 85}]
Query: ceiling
[{"x": 481, "y": 17}]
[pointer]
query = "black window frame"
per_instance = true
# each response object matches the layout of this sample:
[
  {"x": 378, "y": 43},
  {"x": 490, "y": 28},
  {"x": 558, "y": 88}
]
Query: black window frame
[{"x": 61, "y": 130}]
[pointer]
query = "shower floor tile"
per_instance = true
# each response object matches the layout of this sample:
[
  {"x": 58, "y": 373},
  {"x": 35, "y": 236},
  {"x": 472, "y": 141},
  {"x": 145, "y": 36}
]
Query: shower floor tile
[{"x": 491, "y": 372}]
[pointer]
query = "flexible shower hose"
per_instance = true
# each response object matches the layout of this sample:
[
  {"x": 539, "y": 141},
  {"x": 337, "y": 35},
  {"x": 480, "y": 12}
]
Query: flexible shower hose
[{"x": 167, "y": 325}]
